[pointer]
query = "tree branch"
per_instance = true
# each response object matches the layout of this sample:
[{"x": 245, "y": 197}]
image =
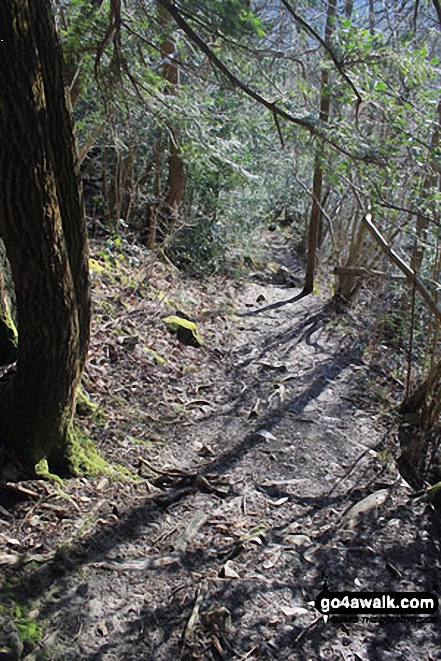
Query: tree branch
[
  {"x": 327, "y": 47},
  {"x": 311, "y": 124},
  {"x": 408, "y": 272},
  {"x": 437, "y": 6}
]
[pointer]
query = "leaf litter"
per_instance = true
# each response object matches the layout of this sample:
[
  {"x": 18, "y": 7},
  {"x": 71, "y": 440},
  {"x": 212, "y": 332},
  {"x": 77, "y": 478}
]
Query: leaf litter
[{"x": 249, "y": 470}]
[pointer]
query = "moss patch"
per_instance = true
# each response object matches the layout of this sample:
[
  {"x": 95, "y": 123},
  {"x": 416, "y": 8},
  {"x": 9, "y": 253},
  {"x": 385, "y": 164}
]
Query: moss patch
[
  {"x": 84, "y": 406},
  {"x": 186, "y": 330},
  {"x": 21, "y": 632},
  {"x": 42, "y": 469},
  {"x": 86, "y": 460}
]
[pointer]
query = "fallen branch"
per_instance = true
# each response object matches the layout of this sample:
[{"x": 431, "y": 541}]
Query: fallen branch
[
  {"x": 408, "y": 272},
  {"x": 367, "y": 273}
]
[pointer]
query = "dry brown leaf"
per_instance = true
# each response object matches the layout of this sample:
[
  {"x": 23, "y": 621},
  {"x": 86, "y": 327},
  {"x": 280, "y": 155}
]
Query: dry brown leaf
[
  {"x": 13, "y": 542},
  {"x": 9, "y": 558}
]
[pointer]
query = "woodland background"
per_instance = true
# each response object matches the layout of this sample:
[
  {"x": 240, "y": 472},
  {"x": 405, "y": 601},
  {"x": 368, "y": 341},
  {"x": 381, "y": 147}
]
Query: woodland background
[
  {"x": 220, "y": 324},
  {"x": 197, "y": 125}
]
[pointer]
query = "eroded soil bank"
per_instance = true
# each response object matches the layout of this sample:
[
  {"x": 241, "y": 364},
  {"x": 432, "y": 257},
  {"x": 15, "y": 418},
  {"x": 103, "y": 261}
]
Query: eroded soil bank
[{"x": 256, "y": 454}]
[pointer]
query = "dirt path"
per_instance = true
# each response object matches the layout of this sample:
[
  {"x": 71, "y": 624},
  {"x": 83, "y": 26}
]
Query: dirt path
[{"x": 245, "y": 509}]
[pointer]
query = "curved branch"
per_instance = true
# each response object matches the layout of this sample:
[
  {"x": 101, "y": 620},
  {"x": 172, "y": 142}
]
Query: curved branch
[{"x": 311, "y": 124}]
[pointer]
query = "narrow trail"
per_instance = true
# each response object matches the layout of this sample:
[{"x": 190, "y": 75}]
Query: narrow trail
[{"x": 250, "y": 506}]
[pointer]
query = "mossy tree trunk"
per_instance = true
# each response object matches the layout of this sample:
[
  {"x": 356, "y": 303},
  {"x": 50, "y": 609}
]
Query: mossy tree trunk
[{"x": 42, "y": 225}]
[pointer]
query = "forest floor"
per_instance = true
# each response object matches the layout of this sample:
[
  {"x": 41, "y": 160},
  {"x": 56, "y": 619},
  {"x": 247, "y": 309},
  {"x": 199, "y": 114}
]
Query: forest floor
[{"x": 246, "y": 472}]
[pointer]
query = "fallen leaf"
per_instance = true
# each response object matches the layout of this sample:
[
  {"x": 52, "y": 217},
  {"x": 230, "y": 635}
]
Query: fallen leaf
[
  {"x": 9, "y": 558},
  {"x": 256, "y": 539},
  {"x": 273, "y": 558},
  {"x": 294, "y": 611},
  {"x": 266, "y": 434},
  {"x": 298, "y": 540},
  {"x": 278, "y": 367},
  {"x": 204, "y": 450},
  {"x": 280, "y": 501},
  {"x": 13, "y": 542},
  {"x": 228, "y": 571},
  {"x": 101, "y": 629},
  {"x": 371, "y": 502},
  {"x": 255, "y": 411}
]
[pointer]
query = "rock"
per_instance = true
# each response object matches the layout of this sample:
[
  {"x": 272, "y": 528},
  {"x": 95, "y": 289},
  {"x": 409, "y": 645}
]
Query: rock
[{"x": 186, "y": 331}]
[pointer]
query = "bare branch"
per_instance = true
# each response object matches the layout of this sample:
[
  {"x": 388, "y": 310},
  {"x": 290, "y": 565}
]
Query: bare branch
[
  {"x": 279, "y": 130},
  {"x": 364, "y": 272},
  {"x": 437, "y": 6},
  {"x": 408, "y": 272}
]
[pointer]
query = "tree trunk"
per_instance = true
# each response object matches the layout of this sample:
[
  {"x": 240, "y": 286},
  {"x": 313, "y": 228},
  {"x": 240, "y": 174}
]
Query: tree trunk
[
  {"x": 43, "y": 228},
  {"x": 174, "y": 192},
  {"x": 431, "y": 180},
  {"x": 8, "y": 330},
  {"x": 314, "y": 227},
  {"x": 317, "y": 184}
]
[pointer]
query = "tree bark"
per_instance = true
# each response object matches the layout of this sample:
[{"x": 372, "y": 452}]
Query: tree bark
[
  {"x": 317, "y": 183},
  {"x": 43, "y": 227},
  {"x": 174, "y": 191}
]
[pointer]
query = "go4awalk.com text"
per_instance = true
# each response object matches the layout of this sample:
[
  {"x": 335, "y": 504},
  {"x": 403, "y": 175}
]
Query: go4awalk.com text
[{"x": 375, "y": 603}]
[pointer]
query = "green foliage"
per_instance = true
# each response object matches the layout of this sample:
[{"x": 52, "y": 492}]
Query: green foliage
[
  {"x": 201, "y": 248},
  {"x": 30, "y": 631},
  {"x": 232, "y": 17},
  {"x": 20, "y": 622},
  {"x": 238, "y": 175}
]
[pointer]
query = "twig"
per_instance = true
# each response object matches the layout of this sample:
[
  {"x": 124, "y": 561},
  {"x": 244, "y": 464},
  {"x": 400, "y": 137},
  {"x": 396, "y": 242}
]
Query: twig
[
  {"x": 200, "y": 594},
  {"x": 173, "y": 471},
  {"x": 279, "y": 130},
  {"x": 23, "y": 490},
  {"x": 327, "y": 47}
]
